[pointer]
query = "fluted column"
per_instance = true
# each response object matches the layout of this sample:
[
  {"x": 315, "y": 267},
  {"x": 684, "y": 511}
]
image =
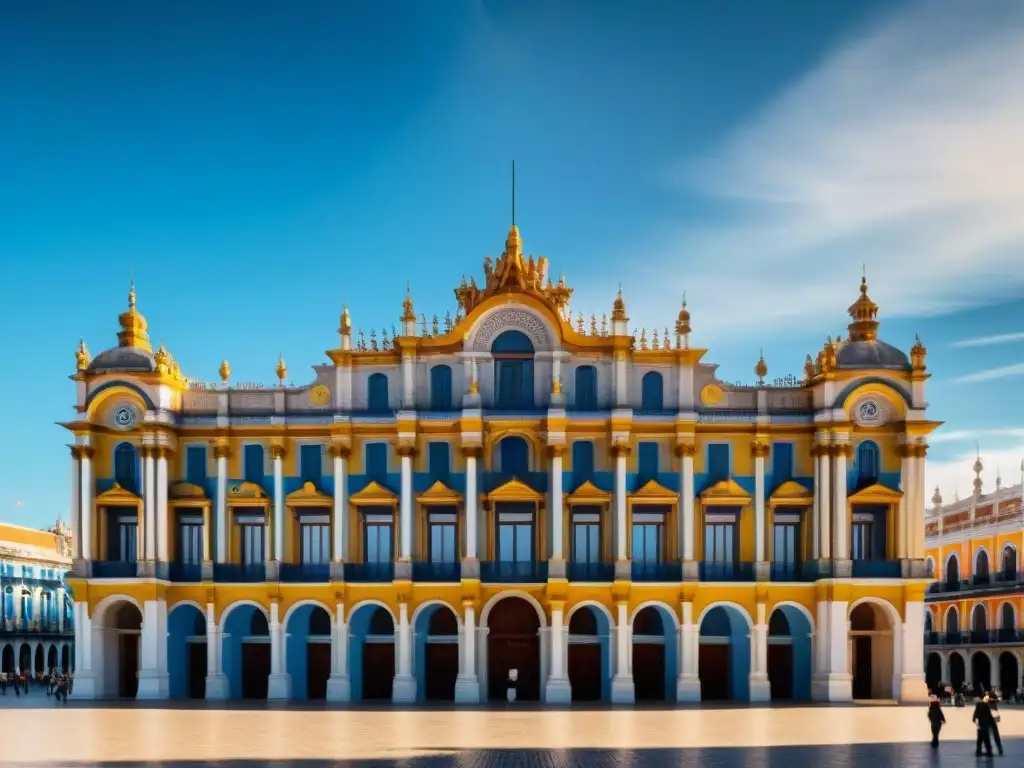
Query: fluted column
[
  {"x": 404, "y": 689},
  {"x": 688, "y": 682},
  {"x": 472, "y": 504},
  {"x": 622, "y": 682},
  {"x": 816, "y": 504},
  {"x": 903, "y": 515},
  {"x": 760, "y": 452},
  {"x": 824, "y": 504},
  {"x": 686, "y": 451},
  {"x": 557, "y": 690},
  {"x": 221, "y": 454},
  {"x": 916, "y": 512},
  {"x": 216, "y": 680},
  {"x": 557, "y": 552},
  {"x": 162, "y": 532},
  {"x": 620, "y": 451},
  {"x": 405, "y": 537},
  {"x": 88, "y": 501},
  {"x": 840, "y": 512},
  {"x": 60, "y": 609},
  {"x": 467, "y": 684},
  {"x": 339, "y": 686},
  {"x": 278, "y": 550},
  {"x": 149, "y": 502},
  {"x": 76, "y": 502},
  {"x": 760, "y": 690},
  {"x": 279, "y": 684},
  {"x": 339, "y": 516}
]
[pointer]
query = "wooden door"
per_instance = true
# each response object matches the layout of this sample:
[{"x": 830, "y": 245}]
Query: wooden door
[
  {"x": 713, "y": 668},
  {"x": 780, "y": 671},
  {"x": 862, "y": 667},
  {"x": 318, "y": 669},
  {"x": 519, "y": 652},
  {"x": 255, "y": 670},
  {"x": 442, "y": 667},
  {"x": 196, "y": 670},
  {"x": 585, "y": 673},
  {"x": 378, "y": 671},
  {"x": 649, "y": 671},
  {"x": 128, "y": 674}
]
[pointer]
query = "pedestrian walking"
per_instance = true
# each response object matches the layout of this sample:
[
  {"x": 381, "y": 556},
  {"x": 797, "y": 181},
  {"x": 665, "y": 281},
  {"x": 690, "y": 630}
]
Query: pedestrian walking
[
  {"x": 936, "y": 718},
  {"x": 993, "y": 705},
  {"x": 984, "y": 721}
]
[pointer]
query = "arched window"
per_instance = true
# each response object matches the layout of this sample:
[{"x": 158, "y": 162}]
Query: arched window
[
  {"x": 928, "y": 625},
  {"x": 126, "y": 467},
  {"x": 377, "y": 393},
  {"x": 258, "y": 626},
  {"x": 953, "y": 621},
  {"x": 586, "y": 388},
  {"x": 515, "y": 456},
  {"x": 582, "y": 462},
  {"x": 979, "y": 623},
  {"x": 652, "y": 397},
  {"x": 513, "y": 370},
  {"x": 9, "y": 603},
  {"x": 867, "y": 463},
  {"x": 319, "y": 622},
  {"x": 1008, "y": 618},
  {"x": 1009, "y": 564},
  {"x": 440, "y": 388},
  {"x": 583, "y": 622},
  {"x": 381, "y": 623},
  {"x": 198, "y": 625},
  {"x": 981, "y": 574},
  {"x": 952, "y": 572}
]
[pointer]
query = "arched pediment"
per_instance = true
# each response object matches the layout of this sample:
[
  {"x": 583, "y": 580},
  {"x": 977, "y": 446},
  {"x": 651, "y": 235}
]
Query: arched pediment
[{"x": 512, "y": 317}]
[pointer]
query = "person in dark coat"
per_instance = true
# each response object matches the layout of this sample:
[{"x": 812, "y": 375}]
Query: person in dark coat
[
  {"x": 936, "y": 718},
  {"x": 984, "y": 721},
  {"x": 993, "y": 705}
]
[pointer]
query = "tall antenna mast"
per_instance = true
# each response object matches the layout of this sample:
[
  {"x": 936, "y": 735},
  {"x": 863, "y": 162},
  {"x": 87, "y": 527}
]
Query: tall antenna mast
[{"x": 513, "y": 193}]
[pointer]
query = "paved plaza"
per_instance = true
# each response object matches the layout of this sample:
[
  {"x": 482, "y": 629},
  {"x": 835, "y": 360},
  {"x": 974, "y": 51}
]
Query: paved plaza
[{"x": 316, "y": 737}]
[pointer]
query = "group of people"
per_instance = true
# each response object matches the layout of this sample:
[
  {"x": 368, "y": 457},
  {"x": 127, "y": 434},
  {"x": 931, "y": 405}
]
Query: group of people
[
  {"x": 985, "y": 718},
  {"x": 57, "y": 684}
]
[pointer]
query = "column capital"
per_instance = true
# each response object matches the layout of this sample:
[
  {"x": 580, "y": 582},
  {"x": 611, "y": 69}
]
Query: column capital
[
  {"x": 407, "y": 450},
  {"x": 221, "y": 450},
  {"x": 340, "y": 450},
  {"x": 621, "y": 448},
  {"x": 821, "y": 449},
  {"x": 556, "y": 451},
  {"x": 471, "y": 451},
  {"x": 278, "y": 451},
  {"x": 841, "y": 449},
  {"x": 685, "y": 449},
  {"x": 760, "y": 449}
]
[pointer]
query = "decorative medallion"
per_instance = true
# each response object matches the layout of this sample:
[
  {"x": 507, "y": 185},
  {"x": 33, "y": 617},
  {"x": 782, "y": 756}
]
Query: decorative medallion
[
  {"x": 125, "y": 417},
  {"x": 320, "y": 395},
  {"x": 711, "y": 394},
  {"x": 869, "y": 413}
]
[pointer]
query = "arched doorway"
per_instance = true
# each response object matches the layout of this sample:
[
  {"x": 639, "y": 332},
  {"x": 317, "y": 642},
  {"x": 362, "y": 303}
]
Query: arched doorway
[
  {"x": 186, "y": 652},
  {"x": 308, "y": 653},
  {"x": 933, "y": 672},
  {"x": 25, "y": 659},
  {"x": 981, "y": 672},
  {"x": 51, "y": 659},
  {"x": 117, "y": 628},
  {"x": 957, "y": 671},
  {"x": 7, "y": 660},
  {"x": 513, "y": 642},
  {"x": 589, "y": 654},
  {"x": 437, "y": 653},
  {"x": 871, "y": 641},
  {"x": 952, "y": 572},
  {"x": 1009, "y": 674},
  {"x": 246, "y": 651},
  {"x": 65, "y": 659},
  {"x": 372, "y": 653},
  {"x": 512, "y": 352},
  {"x": 724, "y": 662},
  {"x": 40, "y": 660},
  {"x": 789, "y": 654},
  {"x": 654, "y": 657}
]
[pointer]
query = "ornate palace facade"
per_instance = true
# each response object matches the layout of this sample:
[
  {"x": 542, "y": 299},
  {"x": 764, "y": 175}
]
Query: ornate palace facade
[
  {"x": 973, "y": 628},
  {"x": 36, "y": 635},
  {"x": 509, "y": 489}
]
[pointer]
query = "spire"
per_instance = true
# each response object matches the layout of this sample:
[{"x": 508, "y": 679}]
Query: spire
[
  {"x": 864, "y": 313},
  {"x": 408, "y": 315},
  {"x": 683, "y": 320},
  {"x": 345, "y": 329},
  {"x": 514, "y": 193},
  {"x": 224, "y": 371},
  {"x": 978, "y": 467},
  {"x": 162, "y": 359},
  {"x": 918, "y": 352},
  {"x": 761, "y": 369},
  {"x": 281, "y": 370},
  {"x": 619, "y": 307},
  {"x": 133, "y": 325},
  {"x": 82, "y": 358},
  {"x": 937, "y": 497}
]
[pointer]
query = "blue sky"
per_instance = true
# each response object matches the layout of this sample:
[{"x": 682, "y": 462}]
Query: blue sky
[{"x": 257, "y": 169}]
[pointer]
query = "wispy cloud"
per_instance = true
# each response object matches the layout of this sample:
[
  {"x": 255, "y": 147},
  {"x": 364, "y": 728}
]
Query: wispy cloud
[
  {"x": 991, "y": 374},
  {"x": 988, "y": 341},
  {"x": 902, "y": 150},
  {"x": 972, "y": 435},
  {"x": 957, "y": 476}
]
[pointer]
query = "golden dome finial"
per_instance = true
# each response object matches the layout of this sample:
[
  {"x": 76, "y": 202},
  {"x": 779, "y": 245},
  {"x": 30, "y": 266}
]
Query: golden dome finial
[
  {"x": 619, "y": 307},
  {"x": 224, "y": 371},
  {"x": 808, "y": 369},
  {"x": 82, "y": 357},
  {"x": 281, "y": 370},
  {"x": 408, "y": 315},
  {"x": 918, "y": 353},
  {"x": 937, "y": 497},
  {"x": 162, "y": 359},
  {"x": 345, "y": 329},
  {"x": 864, "y": 313},
  {"x": 761, "y": 369},
  {"x": 683, "y": 320},
  {"x": 133, "y": 326}
]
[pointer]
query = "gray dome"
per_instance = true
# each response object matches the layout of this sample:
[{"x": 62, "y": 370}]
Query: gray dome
[
  {"x": 123, "y": 359},
  {"x": 871, "y": 354}
]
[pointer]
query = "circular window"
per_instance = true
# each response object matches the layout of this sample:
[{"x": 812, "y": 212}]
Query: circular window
[{"x": 125, "y": 417}]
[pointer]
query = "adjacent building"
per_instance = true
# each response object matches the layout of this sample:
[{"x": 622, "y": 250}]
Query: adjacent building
[
  {"x": 36, "y": 631},
  {"x": 512, "y": 488},
  {"x": 973, "y": 626}
]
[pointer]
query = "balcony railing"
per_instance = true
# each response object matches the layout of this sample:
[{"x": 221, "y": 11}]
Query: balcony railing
[
  {"x": 998, "y": 582},
  {"x": 793, "y": 572},
  {"x": 436, "y": 572},
  {"x": 975, "y": 637},
  {"x": 239, "y": 573},
  {"x": 185, "y": 573},
  {"x": 877, "y": 569},
  {"x": 600, "y": 572},
  {"x": 502, "y": 572},
  {"x": 715, "y": 571},
  {"x": 671, "y": 572},
  {"x": 114, "y": 569},
  {"x": 370, "y": 573},
  {"x": 305, "y": 573}
]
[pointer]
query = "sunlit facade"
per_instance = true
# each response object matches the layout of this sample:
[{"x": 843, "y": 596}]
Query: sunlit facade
[{"x": 511, "y": 488}]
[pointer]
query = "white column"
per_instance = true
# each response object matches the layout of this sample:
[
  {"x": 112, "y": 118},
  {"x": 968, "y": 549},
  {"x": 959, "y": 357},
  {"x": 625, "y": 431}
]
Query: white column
[
  {"x": 216, "y": 680},
  {"x": 278, "y": 504},
  {"x": 816, "y": 507},
  {"x": 162, "y": 532},
  {"x": 621, "y": 381},
  {"x": 916, "y": 511},
  {"x": 620, "y": 505},
  {"x": 840, "y": 518},
  {"x": 467, "y": 684},
  {"x": 471, "y": 506},
  {"x": 85, "y": 677},
  {"x": 222, "y": 504},
  {"x": 824, "y": 507},
  {"x": 912, "y": 687},
  {"x": 153, "y": 651},
  {"x": 622, "y": 682},
  {"x": 557, "y": 552},
  {"x": 339, "y": 524},
  {"x": 279, "y": 684},
  {"x": 903, "y": 516},
  {"x": 688, "y": 682},
  {"x": 76, "y": 503},
  {"x": 87, "y": 502},
  {"x": 149, "y": 503},
  {"x": 408, "y": 382},
  {"x": 339, "y": 687},
  {"x": 759, "y": 553},
  {"x": 404, "y": 689},
  {"x": 60, "y": 609},
  {"x": 686, "y": 497},
  {"x": 558, "y": 690},
  {"x": 405, "y": 512},
  {"x": 760, "y": 690},
  {"x": 832, "y": 680}
]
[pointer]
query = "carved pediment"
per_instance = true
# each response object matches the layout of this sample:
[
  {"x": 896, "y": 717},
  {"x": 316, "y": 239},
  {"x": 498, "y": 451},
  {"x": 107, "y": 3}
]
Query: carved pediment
[
  {"x": 308, "y": 495},
  {"x": 247, "y": 491},
  {"x": 876, "y": 494},
  {"x": 515, "y": 490},
  {"x": 374, "y": 494},
  {"x": 653, "y": 491},
  {"x": 117, "y": 496},
  {"x": 726, "y": 493},
  {"x": 791, "y": 494},
  {"x": 439, "y": 493},
  {"x": 588, "y": 493},
  {"x": 185, "y": 490}
]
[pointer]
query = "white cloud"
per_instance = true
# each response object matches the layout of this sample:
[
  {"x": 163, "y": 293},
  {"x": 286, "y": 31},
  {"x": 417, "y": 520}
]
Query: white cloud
[
  {"x": 988, "y": 341},
  {"x": 902, "y": 150},
  {"x": 956, "y": 474},
  {"x": 991, "y": 374},
  {"x": 965, "y": 435}
]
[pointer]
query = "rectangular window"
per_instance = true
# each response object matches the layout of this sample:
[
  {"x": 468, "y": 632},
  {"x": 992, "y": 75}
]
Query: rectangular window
[
  {"x": 252, "y": 457},
  {"x": 315, "y": 533},
  {"x": 582, "y": 462},
  {"x": 378, "y": 530},
  {"x": 720, "y": 542},
  {"x": 648, "y": 543},
  {"x": 377, "y": 461},
  {"x": 443, "y": 542},
  {"x": 647, "y": 461},
  {"x": 586, "y": 535},
  {"x": 718, "y": 462},
  {"x": 128, "y": 539},
  {"x": 439, "y": 461},
  {"x": 311, "y": 464},
  {"x": 785, "y": 538},
  {"x": 782, "y": 463},
  {"x": 515, "y": 534},
  {"x": 190, "y": 539},
  {"x": 253, "y": 552},
  {"x": 195, "y": 464},
  {"x": 515, "y": 383},
  {"x": 861, "y": 544}
]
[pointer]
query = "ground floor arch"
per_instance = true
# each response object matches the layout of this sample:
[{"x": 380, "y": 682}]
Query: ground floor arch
[
  {"x": 436, "y": 652},
  {"x": 186, "y": 652},
  {"x": 654, "y": 653},
  {"x": 957, "y": 670},
  {"x": 116, "y": 634},
  {"x": 873, "y": 651},
  {"x": 513, "y": 643},
  {"x": 52, "y": 658},
  {"x": 933, "y": 672},
  {"x": 790, "y": 661},
  {"x": 371, "y": 652},
  {"x": 65, "y": 659},
  {"x": 25, "y": 659},
  {"x": 308, "y": 628},
  {"x": 40, "y": 660},
  {"x": 1009, "y": 673},
  {"x": 981, "y": 672},
  {"x": 7, "y": 660},
  {"x": 724, "y": 660},
  {"x": 589, "y": 654},
  {"x": 246, "y": 651}
]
